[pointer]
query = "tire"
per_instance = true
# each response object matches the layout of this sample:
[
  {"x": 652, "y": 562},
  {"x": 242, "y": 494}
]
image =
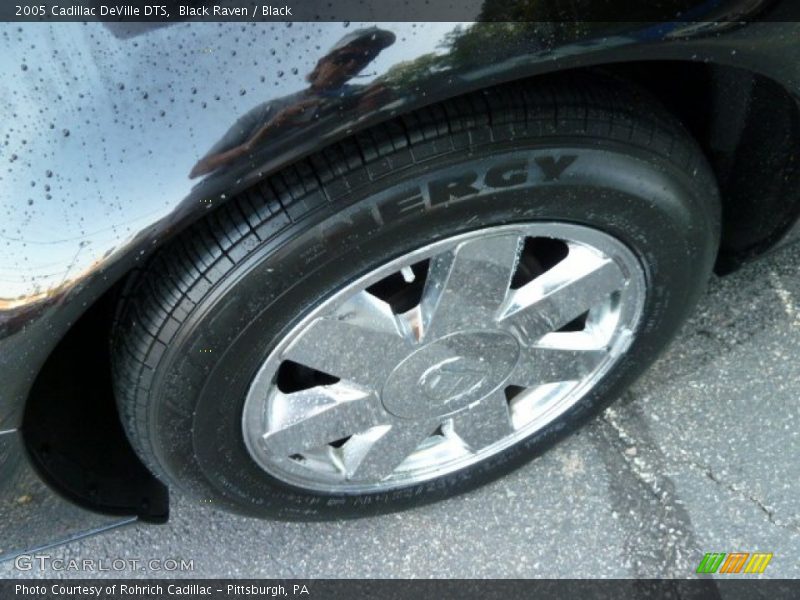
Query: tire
[{"x": 196, "y": 324}]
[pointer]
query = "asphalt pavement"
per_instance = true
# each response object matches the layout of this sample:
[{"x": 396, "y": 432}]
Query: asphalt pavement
[{"x": 701, "y": 455}]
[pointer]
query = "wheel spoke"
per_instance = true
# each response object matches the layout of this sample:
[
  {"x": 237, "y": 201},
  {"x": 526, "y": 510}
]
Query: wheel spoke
[
  {"x": 361, "y": 342},
  {"x": 541, "y": 364},
  {"x": 467, "y": 284},
  {"x": 374, "y": 455},
  {"x": 577, "y": 283},
  {"x": 484, "y": 423},
  {"x": 312, "y": 418}
]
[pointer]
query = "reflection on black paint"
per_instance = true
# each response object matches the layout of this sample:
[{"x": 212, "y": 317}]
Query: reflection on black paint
[{"x": 328, "y": 90}]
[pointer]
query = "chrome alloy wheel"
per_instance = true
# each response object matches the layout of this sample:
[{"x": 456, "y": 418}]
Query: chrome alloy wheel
[{"x": 443, "y": 357}]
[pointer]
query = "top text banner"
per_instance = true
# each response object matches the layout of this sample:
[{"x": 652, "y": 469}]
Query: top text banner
[{"x": 132, "y": 11}]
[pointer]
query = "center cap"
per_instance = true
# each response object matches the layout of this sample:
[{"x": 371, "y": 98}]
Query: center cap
[{"x": 450, "y": 374}]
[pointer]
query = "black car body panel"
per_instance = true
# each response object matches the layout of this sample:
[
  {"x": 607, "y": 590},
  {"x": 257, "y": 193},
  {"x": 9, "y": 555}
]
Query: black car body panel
[{"x": 104, "y": 123}]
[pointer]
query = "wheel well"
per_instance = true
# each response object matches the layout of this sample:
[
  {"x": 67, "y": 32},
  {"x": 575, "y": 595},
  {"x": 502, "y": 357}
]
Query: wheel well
[
  {"x": 749, "y": 129},
  {"x": 746, "y": 124},
  {"x": 72, "y": 431}
]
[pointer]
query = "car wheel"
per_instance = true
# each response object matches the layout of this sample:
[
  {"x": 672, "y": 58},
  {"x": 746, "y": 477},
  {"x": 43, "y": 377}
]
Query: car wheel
[{"x": 418, "y": 309}]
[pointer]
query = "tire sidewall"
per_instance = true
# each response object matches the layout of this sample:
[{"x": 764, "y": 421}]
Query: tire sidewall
[{"x": 666, "y": 216}]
